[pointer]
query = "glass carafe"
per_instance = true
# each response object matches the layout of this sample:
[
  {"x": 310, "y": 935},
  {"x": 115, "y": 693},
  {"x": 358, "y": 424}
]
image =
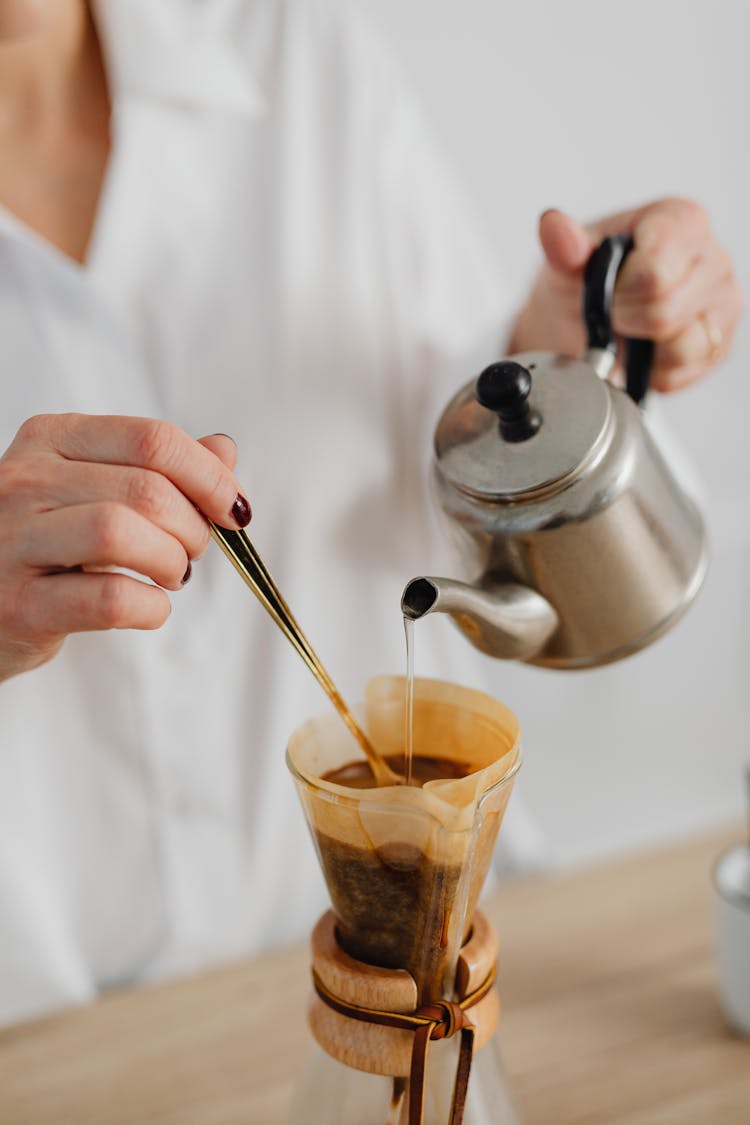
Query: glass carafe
[{"x": 404, "y": 868}]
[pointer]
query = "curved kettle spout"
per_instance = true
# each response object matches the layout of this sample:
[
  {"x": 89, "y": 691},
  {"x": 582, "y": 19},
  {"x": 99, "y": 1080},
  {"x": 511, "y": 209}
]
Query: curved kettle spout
[{"x": 508, "y": 621}]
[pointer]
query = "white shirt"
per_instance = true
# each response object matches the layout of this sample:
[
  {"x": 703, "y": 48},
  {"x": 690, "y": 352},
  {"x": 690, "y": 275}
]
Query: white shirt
[{"x": 279, "y": 255}]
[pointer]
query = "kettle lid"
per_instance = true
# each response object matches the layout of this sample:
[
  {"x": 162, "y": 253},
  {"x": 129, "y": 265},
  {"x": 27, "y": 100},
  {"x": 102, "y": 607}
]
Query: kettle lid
[{"x": 526, "y": 424}]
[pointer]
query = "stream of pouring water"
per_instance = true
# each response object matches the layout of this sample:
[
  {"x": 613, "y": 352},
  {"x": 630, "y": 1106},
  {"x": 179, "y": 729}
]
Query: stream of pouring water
[
  {"x": 400, "y": 1085},
  {"x": 409, "y": 708}
]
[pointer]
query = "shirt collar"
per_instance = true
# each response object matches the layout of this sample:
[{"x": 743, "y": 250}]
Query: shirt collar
[{"x": 169, "y": 50}]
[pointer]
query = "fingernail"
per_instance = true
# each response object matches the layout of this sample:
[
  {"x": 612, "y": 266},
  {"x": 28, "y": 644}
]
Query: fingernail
[
  {"x": 220, "y": 434},
  {"x": 549, "y": 211},
  {"x": 188, "y": 572},
  {"x": 241, "y": 511}
]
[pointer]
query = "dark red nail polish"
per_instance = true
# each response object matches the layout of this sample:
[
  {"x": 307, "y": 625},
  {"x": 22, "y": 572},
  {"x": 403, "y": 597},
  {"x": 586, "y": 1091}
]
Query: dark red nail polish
[
  {"x": 188, "y": 572},
  {"x": 241, "y": 511}
]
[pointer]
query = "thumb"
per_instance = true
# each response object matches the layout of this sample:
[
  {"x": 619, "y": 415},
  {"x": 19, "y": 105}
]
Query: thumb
[
  {"x": 223, "y": 447},
  {"x": 566, "y": 244}
]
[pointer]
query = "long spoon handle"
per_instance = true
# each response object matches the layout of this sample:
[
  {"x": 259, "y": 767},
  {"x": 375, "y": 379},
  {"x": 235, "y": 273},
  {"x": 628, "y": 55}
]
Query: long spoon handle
[{"x": 240, "y": 551}]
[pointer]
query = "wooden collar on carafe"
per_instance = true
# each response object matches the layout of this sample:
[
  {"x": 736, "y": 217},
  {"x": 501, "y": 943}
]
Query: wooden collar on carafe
[{"x": 368, "y": 1018}]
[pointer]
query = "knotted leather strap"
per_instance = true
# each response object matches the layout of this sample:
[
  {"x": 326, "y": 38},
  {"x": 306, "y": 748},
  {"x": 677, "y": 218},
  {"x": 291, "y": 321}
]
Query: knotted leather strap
[{"x": 441, "y": 1020}]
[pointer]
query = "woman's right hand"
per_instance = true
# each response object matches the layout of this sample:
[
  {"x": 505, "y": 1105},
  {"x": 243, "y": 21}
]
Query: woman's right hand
[{"x": 80, "y": 494}]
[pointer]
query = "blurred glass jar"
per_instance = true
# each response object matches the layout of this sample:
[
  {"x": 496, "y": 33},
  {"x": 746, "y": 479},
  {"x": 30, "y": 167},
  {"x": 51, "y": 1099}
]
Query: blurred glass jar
[{"x": 732, "y": 912}]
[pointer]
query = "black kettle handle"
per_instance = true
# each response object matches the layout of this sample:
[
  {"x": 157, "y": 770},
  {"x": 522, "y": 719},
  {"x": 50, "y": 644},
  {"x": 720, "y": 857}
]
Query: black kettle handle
[{"x": 599, "y": 279}]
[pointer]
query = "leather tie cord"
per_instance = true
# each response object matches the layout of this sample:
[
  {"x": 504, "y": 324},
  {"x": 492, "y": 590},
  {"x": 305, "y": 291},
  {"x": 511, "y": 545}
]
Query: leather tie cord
[{"x": 440, "y": 1020}]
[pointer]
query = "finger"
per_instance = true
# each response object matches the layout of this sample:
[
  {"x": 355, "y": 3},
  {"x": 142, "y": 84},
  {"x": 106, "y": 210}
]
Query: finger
[
  {"x": 663, "y": 317},
  {"x": 103, "y": 535},
  {"x": 702, "y": 345},
  {"x": 668, "y": 234},
  {"x": 658, "y": 289},
  {"x": 145, "y": 443},
  {"x": 55, "y": 605},
  {"x": 683, "y": 212},
  {"x": 669, "y": 237},
  {"x": 566, "y": 244},
  {"x": 43, "y": 482},
  {"x": 222, "y": 446}
]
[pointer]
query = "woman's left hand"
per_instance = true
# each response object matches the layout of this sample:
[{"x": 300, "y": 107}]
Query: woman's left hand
[{"x": 677, "y": 287}]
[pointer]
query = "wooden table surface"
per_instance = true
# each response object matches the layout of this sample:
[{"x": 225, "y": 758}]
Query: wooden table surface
[{"x": 610, "y": 1018}]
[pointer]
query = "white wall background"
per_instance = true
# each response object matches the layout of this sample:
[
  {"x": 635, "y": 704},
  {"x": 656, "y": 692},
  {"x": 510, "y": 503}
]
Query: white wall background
[{"x": 592, "y": 106}]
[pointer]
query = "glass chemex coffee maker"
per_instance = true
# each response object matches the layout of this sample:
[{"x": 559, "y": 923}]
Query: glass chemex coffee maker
[
  {"x": 404, "y": 959},
  {"x": 403, "y": 1008}
]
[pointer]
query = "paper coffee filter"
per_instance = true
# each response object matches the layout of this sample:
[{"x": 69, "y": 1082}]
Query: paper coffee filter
[
  {"x": 404, "y": 866},
  {"x": 451, "y": 722}
]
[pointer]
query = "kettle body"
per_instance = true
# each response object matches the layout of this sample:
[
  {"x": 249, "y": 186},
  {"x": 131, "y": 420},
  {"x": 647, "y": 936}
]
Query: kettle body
[{"x": 617, "y": 549}]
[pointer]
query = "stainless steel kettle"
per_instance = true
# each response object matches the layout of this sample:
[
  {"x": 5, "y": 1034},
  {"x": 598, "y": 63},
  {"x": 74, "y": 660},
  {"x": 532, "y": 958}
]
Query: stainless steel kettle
[{"x": 581, "y": 546}]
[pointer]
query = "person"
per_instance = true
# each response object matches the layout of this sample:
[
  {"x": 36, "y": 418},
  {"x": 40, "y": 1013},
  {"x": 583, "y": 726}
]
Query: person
[{"x": 229, "y": 217}]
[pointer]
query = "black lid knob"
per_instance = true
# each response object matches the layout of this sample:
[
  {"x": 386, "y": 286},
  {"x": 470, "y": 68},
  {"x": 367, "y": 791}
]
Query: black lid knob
[{"x": 504, "y": 387}]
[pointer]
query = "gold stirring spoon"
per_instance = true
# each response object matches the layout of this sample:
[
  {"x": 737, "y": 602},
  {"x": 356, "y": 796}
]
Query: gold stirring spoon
[{"x": 240, "y": 551}]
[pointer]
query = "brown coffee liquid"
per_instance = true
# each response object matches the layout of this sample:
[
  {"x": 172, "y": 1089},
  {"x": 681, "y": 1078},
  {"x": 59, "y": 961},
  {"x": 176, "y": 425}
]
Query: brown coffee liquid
[
  {"x": 393, "y": 903},
  {"x": 393, "y": 906},
  {"x": 358, "y": 775}
]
